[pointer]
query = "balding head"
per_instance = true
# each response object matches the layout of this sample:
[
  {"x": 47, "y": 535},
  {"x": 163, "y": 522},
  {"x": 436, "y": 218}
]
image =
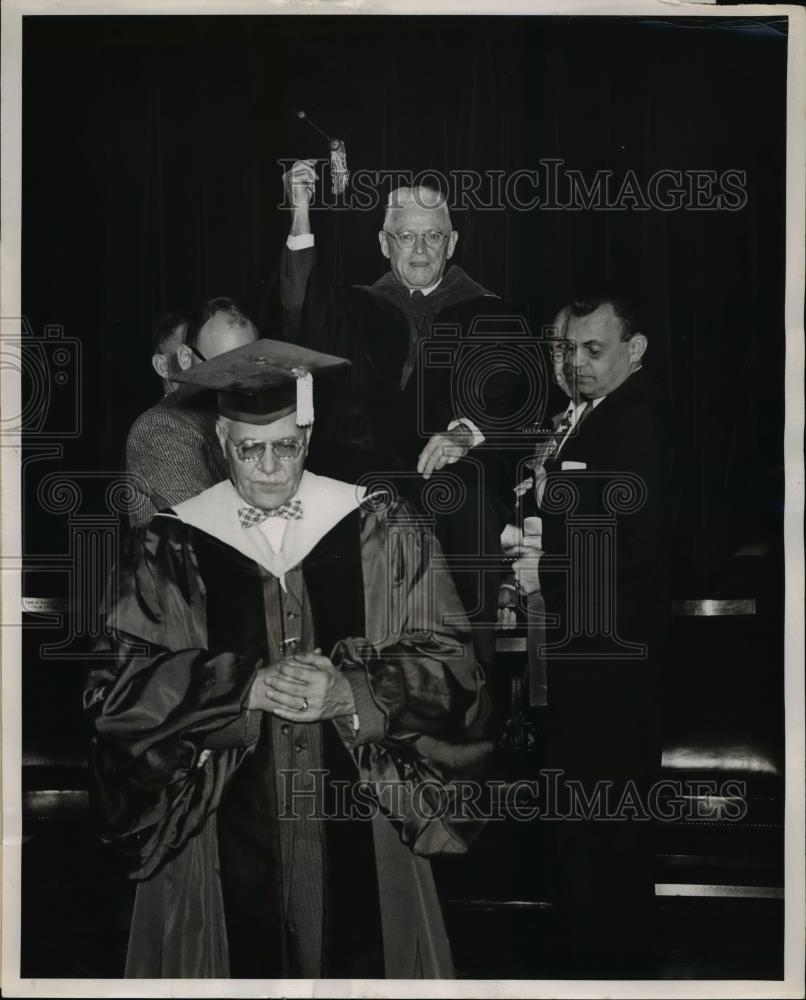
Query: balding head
[{"x": 215, "y": 327}]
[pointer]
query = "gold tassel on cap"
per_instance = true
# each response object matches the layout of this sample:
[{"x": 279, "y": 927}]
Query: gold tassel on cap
[
  {"x": 304, "y": 396},
  {"x": 339, "y": 174},
  {"x": 338, "y": 166}
]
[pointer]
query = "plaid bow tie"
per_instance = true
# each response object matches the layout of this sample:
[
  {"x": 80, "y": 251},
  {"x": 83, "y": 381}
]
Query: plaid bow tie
[{"x": 291, "y": 511}]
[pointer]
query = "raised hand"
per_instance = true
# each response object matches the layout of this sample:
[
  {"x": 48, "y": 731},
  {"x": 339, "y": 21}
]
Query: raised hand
[{"x": 300, "y": 184}]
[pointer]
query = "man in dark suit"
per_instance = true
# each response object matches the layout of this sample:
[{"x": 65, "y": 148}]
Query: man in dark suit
[
  {"x": 394, "y": 414},
  {"x": 172, "y": 452},
  {"x": 601, "y": 489}
]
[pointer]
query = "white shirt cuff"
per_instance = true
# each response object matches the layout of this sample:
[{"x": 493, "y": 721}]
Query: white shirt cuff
[
  {"x": 478, "y": 437},
  {"x": 299, "y": 242}
]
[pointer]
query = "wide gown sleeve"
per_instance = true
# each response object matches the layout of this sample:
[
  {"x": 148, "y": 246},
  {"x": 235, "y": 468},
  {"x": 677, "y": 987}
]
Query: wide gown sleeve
[
  {"x": 417, "y": 666},
  {"x": 161, "y": 702},
  {"x": 316, "y": 312},
  {"x": 296, "y": 267}
]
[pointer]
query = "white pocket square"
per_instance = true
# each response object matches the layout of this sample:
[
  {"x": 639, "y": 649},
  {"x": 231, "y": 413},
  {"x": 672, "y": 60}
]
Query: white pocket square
[{"x": 574, "y": 465}]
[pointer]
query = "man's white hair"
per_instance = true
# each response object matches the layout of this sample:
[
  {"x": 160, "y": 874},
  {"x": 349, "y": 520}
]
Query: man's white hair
[{"x": 422, "y": 196}]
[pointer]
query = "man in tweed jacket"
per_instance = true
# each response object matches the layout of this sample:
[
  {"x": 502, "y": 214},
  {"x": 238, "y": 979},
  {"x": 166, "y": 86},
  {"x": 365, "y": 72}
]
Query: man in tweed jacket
[{"x": 172, "y": 452}]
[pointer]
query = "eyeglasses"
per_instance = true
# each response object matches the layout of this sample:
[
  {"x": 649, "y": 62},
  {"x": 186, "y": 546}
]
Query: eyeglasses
[
  {"x": 197, "y": 352},
  {"x": 559, "y": 350},
  {"x": 433, "y": 239},
  {"x": 253, "y": 451},
  {"x": 563, "y": 351}
]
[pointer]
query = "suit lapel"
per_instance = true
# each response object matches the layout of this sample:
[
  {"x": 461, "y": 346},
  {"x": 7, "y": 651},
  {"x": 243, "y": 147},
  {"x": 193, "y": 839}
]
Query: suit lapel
[{"x": 589, "y": 442}]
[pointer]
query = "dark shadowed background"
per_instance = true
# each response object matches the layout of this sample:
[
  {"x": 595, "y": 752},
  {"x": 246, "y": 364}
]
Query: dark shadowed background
[{"x": 151, "y": 179}]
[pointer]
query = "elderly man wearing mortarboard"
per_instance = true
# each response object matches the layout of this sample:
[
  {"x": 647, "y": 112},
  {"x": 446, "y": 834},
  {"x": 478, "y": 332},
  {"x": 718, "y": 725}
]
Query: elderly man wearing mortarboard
[{"x": 276, "y": 634}]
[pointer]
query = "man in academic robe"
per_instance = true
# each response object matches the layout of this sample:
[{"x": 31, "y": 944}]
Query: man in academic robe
[
  {"x": 413, "y": 404},
  {"x": 381, "y": 327},
  {"x": 602, "y": 488},
  {"x": 274, "y": 642}
]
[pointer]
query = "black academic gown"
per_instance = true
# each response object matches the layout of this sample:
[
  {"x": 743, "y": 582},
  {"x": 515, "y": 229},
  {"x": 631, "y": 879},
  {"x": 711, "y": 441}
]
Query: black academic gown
[
  {"x": 384, "y": 408},
  {"x": 415, "y": 367},
  {"x": 187, "y": 780}
]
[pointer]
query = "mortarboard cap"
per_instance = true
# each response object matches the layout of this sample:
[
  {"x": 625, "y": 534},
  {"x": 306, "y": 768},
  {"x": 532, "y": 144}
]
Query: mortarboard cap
[{"x": 264, "y": 381}]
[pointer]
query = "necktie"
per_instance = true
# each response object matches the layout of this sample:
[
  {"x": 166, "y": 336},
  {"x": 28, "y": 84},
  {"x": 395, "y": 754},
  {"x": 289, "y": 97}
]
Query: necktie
[
  {"x": 546, "y": 451},
  {"x": 249, "y": 516}
]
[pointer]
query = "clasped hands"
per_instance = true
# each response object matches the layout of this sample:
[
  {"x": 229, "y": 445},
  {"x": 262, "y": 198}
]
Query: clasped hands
[{"x": 302, "y": 687}]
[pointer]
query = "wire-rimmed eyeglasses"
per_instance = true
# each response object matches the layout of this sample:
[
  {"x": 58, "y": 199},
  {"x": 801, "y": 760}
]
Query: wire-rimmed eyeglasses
[
  {"x": 559, "y": 350},
  {"x": 253, "y": 451},
  {"x": 433, "y": 239}
]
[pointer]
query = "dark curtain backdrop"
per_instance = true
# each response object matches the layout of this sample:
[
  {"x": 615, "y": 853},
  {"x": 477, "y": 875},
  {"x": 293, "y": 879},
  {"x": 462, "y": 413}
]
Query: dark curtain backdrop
[{"x": 151, "y": 179}]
